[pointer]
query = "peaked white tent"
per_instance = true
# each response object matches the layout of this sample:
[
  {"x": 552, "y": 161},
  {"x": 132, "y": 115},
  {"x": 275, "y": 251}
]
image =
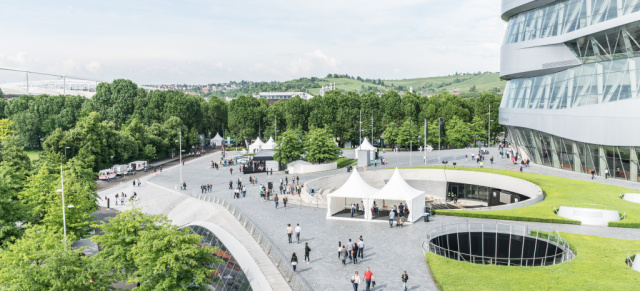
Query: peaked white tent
[
  {"x": 269, "y": 145},
  {"x": 354, "y": 190},
  {"x": 256, "y": 146},
  {"x": 397, "y": 191},
  {"x": 217, "y": 140},
  {"x": 366, "y": 146}
]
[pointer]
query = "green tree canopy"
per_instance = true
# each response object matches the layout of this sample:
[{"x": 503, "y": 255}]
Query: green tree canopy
[
  {"x": 320, "y": 147},
  {"x": 290, "y": 147}
]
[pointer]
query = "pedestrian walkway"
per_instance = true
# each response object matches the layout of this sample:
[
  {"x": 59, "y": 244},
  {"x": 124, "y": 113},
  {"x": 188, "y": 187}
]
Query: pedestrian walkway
[{"x": 388, "y": 251}]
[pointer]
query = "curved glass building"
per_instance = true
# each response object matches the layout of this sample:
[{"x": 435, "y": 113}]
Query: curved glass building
[{"x": 572, "y": 99}]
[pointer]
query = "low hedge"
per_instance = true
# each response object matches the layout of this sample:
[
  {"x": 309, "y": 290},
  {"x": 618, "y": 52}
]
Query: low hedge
[
  {"x": 473, "y": 214},
  {"x": 345, "y": 162},
  {"x": 622, "y": 223}
]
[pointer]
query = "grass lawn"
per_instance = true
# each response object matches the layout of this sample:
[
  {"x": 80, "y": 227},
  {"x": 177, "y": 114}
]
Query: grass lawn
[
  {"x": 34, "y": 155},
  {"x": 558, "y": 190},
  {"x": 345, "y": 162},
  {"x": 599, "y": 265}
]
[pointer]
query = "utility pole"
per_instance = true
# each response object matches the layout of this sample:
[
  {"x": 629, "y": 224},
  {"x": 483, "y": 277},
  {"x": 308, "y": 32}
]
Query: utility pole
[
  {"x": 426, "y": 132},
  {"x": 410, "y": 143},
  {"x": 64, "y": 217},
  {"x": 275, "y": 127},
  {"x": 360, "y": 145},
  {"x": 371, "y": 125},
  {"x": 489, "y": 123}
]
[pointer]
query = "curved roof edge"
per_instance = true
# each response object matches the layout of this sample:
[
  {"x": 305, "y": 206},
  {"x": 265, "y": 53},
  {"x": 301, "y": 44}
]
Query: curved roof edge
[{"x": 513, "y": 7}]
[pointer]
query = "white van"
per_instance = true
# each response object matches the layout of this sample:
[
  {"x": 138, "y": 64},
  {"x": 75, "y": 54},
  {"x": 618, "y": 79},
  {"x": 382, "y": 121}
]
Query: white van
[
  {"x": 121, "y": 169},
  {"x": 138, "y": 165},
  {"x": 107, "y": 174}
]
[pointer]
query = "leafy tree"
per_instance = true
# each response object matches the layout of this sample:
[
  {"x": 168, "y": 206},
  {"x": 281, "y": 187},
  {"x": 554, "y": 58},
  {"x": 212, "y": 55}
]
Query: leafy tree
[
  {"x": 244, "y": 117},
  {"x": 290, "y": 147},
  {"x": 370, "y": 103},
  {"x": 216, "y": 115},
  {"x": 320, "y": 147},
  {"x": 172, "y": 259},
  {"x": 458, "y": 133},
  {"x": 1, "y": 94},
  {"x": 6, "y": 128},
  {"x": 42, "y": 261},
  {"x": 408, "y": 132},
  {"x": 391, "y": 105},
  {"x": 277, "y": 109},
  {"x": 391, "y": 133},
  {"x": 297, "y": 113},
  {"x": 410, "y": 106}
]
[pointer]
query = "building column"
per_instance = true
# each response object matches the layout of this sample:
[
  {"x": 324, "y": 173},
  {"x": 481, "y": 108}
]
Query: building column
[
  {"x": 536, "y": 145},
  {"x": 577, "y": 161},
  {"x": 634, "y": 165},
  {"x": 602, "y": 157},
  {"x": 554, "y": 152}
]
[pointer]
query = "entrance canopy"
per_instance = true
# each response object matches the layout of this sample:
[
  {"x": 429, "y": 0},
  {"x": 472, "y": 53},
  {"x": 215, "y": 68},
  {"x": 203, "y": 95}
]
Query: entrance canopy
[
  {"x": 256, "y": 146},
  {"x": 397, "y": 191},
  {"x": 366, "y": 146},
  {"x": 355, "y": 190},
  {"x": 269, "y": 145}
]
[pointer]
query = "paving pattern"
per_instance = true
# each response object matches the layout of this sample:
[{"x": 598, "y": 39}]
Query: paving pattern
[{"x": 388, "y": 251}]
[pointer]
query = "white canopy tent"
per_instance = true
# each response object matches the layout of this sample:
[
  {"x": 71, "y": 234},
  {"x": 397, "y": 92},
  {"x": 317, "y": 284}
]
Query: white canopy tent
[
  {"x": 256, "y": 146},
  {"x": 397, "y": 190},
  {"x": 354, "y": 190},
  {"x": 366, "y": 146},
  {"x": 217, "y": 140},
  {"x": 269, "y": 145}
]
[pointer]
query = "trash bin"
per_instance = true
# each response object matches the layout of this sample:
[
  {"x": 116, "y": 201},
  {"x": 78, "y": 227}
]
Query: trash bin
[
  {"x": 426, "y": 217},
  {"x": 286, "y": 171}
]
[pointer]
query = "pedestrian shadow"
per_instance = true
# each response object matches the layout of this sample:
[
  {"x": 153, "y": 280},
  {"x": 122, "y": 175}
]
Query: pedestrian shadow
[
  {"x": 380, "y": 286},
  {"x": 303, "y": 270},
  {"x": 318, "y": 259},
  {"x": 414, "y": 288}
]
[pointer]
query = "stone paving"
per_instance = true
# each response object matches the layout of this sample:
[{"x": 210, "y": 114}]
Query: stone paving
[{"x": 389, "y": 251}]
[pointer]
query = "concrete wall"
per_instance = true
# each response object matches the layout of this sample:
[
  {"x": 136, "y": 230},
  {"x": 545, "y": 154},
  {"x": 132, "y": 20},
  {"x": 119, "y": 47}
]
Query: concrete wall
[{"x": 303, "y": 168}]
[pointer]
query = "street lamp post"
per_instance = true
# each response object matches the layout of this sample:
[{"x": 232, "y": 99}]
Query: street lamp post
[
  {"x": 64, "y": 217},
  {"x": 180, "y": 136},
  {"x": 65, "y": 153}
]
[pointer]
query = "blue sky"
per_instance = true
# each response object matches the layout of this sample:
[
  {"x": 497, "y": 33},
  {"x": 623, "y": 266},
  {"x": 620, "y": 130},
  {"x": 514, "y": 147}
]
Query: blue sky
[{"x": 198, "y": 42}]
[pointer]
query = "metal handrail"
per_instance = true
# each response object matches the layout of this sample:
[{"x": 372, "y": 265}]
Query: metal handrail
[
  {"x": 552, "y": 237},
  {"x": 295, "y": 280},
  {"x": 629, "y": 254},
  {"x": 556, "y": 208}
]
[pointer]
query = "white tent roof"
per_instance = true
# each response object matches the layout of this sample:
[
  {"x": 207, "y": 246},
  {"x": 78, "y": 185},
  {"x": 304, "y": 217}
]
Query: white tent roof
[
  {"x": 355, "y": 187},
  {"x": 256, "y": 145},
  {"x": 397, "y": 189},
  {"x": 270, "y": 144},
  {"x": 366, "y": 145},
  {"x": 217, "y": 139},
  {"x": 257, "y": 142}
]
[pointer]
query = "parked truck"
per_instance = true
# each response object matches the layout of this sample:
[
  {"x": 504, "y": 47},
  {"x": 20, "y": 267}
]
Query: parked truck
[
  {"x": 121, "y": 169},
  {"x": 138, "y": 165},
  {"x": 106, "y": 174}
]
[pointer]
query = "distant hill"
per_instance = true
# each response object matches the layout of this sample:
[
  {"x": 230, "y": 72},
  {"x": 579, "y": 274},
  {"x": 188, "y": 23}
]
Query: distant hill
[{"x": 468, "y": 83}]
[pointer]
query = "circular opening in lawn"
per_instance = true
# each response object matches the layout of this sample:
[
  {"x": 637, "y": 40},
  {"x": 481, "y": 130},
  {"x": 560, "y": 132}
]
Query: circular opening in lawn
[
  {"x": 633, "y": 260},
  {"x": 498, "y": 244}
]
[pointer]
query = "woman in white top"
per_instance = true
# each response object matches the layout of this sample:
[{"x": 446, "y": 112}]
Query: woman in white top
[{"x": 356, "y": 281}]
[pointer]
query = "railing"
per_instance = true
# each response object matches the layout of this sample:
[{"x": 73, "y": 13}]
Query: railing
[
  {"x": 453, "y": 251},
  {"x": 631, "y": 256},
  {"x": 556, "y": 208},
  {"x": 279, "y": 259}
]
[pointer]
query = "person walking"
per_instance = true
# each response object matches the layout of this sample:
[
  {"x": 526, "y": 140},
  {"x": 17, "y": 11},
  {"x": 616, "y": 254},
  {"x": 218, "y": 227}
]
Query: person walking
[
  {"x": 294, "y": 261},
  {"x": 354, "y": 251},
  {"x": 593, "y": 174},
  {"x": 284, "y": 201},
  {"x": 353, "y": 209},
  {"x": 134, "y": 183},
  {"x": 361, "y": 248},
  {"x": 276, "y": 200},
  {"x": 307, "y": 250},
  {"x": 289, "y": 232},
  {"x": 343, "y": 255},
  {"x": 297, "y": 230},
  {"x": 606, "y": 173},
  {"x": 368, "y": 276},
  {"x": 339, "y": 249},
  {"x": 355, "y": 280},
  {"x": 392, "y": 216},
  {"x": 404, "y": 278},
  {"x": 349, "y": 250},
  {"x": 231, "y": 171}
]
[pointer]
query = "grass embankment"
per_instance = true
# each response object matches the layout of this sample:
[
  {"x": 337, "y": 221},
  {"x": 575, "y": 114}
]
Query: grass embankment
[
  {"x": 598, "y": 265},
  {"x": 345, "y": 162},
  {"x": 558, "y": 191}
]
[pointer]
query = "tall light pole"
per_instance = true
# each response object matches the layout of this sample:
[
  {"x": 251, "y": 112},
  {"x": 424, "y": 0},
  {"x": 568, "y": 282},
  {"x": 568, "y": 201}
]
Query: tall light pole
[
  {"x": 65, "y": 153},
  {"x": 180, "y": 153},
  {"x": 64, "y": 217},
  {"x": 372, "y": 126},
  {"x": 489, "y": 126},
  {"x": 410, "y": 143},
  {"x": 360, "y": 132}
]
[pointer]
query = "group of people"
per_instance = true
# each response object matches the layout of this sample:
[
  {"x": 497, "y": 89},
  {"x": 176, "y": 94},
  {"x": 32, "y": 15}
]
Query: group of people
[
  {"x": 351, "y": 250},
  {"x": 206, "y": 188},
  {"x": 307, "y": 250},
  {"x": 402, "y": 212},
  {"x": 453, "y": 197},
  {"x": 357, "y": 208},
  {"x": 370, "y": 281},
  {"x": 121, "y": 197}
]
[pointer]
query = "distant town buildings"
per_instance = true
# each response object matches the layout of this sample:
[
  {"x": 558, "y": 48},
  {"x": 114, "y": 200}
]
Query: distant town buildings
[
  {"x": 325, "y": 88},
  {"x": 273, "y": 97}
]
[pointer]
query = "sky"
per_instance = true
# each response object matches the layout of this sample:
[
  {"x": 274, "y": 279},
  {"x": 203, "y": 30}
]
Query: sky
[{"x": 201, "y": 42}]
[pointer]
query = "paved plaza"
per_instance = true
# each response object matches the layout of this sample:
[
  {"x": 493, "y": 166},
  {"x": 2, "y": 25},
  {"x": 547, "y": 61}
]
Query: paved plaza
[{"x": 388, "y": 251}]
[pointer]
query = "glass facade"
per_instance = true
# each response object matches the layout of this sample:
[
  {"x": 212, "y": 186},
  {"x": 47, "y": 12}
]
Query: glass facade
[
  {"x": 587, "y": 84},
  {"x": 565, "y": 16},
  {"x": 617, "y": 43},
  {"x": 621, "y": 162},
  {"x": 231, "y": 276},
  {"x": 482, "y": 193}
]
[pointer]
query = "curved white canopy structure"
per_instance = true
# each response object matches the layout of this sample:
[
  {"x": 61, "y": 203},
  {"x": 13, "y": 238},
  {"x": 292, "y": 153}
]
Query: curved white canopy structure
[
  {"x": 269, "y": 145},
  {"x": 256, "y": 146},
  {"x": 399, "y": 191},
  {"x": 354, "y": 190}
]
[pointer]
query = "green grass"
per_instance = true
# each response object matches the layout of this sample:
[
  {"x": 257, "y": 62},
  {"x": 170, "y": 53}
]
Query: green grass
[
  {"x": 558, "y": 191},
  {"x": 345, "y": 162},
  {"x": 34, "y": 155},
  {"x": 598, "y": 265}
]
